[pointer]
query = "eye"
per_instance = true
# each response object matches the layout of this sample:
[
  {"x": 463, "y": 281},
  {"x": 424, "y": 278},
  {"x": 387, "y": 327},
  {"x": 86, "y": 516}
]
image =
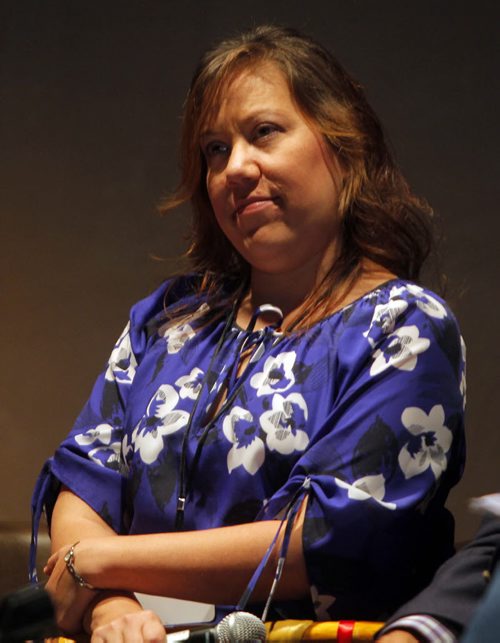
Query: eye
[
  {"x": 214, "y": 149},
  {"x": 266, "y": 130}
]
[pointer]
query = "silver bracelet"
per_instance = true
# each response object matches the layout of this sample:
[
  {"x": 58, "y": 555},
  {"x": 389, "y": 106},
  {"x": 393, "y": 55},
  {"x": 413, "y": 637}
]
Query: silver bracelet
[{"x": 69, "y": 559}]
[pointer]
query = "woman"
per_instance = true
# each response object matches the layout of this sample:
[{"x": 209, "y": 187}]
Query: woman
[{"x": 297, "y": 369}]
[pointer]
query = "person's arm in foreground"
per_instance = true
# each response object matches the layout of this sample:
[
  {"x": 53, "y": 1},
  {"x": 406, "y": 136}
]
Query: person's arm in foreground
[
  {"x": 212, "y": 565},
  {"x": 455, "y": 591}
]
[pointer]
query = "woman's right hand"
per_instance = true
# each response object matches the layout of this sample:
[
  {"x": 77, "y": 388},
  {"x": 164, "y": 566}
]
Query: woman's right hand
[
  {"x": 69, "y": 599},
  {"x": 141, "y": 626}
]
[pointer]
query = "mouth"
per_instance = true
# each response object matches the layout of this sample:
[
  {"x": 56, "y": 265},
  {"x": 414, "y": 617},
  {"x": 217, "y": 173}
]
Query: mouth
[{"x": 252, "y": 204}]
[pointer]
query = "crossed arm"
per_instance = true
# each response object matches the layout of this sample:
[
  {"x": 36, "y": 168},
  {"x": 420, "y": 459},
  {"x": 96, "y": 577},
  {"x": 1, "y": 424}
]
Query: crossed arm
[
  {"x": 212, "y": 565},
  {"x": 206, "y": 567}
]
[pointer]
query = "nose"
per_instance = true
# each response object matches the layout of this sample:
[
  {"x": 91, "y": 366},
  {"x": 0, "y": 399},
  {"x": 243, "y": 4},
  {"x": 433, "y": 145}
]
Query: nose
[{"x": 242, "y": 167}]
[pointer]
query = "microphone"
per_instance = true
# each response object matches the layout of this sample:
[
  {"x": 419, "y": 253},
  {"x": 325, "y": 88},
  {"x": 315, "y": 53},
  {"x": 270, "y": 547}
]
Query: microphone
[
  {"x": 235, "y": 627},
  {"x": 27, "y": 614}
]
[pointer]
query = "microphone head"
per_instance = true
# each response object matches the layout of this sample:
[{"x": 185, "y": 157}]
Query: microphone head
[{"x": 240, "y": 626}]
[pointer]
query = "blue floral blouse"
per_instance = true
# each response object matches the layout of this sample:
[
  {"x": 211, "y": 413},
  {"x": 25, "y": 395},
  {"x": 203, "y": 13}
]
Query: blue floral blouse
[{"x": 367, "y": 406}]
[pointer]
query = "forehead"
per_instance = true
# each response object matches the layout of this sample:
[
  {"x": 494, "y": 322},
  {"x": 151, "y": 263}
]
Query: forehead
[{"x": 251, "y": 89}]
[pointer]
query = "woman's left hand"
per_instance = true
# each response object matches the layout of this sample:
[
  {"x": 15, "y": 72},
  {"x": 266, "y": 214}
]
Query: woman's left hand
[{"x": 69, "y": 598}]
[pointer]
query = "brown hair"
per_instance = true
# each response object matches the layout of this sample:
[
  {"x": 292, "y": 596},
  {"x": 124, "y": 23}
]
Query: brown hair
[{"x": 382, "y": 219}]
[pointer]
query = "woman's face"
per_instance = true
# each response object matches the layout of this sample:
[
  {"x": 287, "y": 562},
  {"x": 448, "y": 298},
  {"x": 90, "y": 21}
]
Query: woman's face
[{"x": 272, "y": 180}]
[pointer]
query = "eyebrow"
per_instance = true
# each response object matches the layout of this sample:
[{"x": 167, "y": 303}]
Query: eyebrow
[
  {"x": 258, "y": 113},
  {"x": 208, "y": 133}
]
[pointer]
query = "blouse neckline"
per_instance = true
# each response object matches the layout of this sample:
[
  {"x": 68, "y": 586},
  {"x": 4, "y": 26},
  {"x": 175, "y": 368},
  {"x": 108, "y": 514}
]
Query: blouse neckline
[{"x": 339, "y": 311}]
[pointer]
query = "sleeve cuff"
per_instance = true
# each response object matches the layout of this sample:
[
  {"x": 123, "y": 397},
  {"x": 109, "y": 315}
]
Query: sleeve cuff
[{"x": 427, "y": 628}]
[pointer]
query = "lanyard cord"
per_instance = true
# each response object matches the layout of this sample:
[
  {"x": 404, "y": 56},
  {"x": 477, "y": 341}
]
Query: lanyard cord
[
  {"x": 185, "y": 476},
  {"x": 284, "y": 547},
  {"x": 289, "y": 519},
  {"x": 37, "y": 504},
  {"x": 181, "y": 498},
  {"x": 203, "y": 438}
]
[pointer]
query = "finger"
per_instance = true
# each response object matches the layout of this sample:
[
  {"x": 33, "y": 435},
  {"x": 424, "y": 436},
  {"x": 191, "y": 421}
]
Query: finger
[
  {"x": 50, "y": 564},
  {"x": 124, "y": 629},
  {"x": 132, "y": 629},
  {"x": 144, "y": 627},
  {"x": 153, "y": 632},
  {"x": 110, "y": 633}
]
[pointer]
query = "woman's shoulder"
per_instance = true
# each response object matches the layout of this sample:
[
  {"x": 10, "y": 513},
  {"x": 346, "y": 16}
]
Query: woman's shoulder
[
  {"x": 175, "y": 290},
  {"x": 397, "y": 309},
  {"x": 401, "y": 325},
  {"x": 399, "y": 300},
  {"x": 148, "y": 314}
]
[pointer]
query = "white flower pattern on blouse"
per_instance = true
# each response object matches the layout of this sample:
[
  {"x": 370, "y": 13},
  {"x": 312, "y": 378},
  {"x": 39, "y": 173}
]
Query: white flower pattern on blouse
[
  {"x": 429, "y": 444},
  {"x": 384, "y": 318},
  {"x": 161, "y": 418},
  {"x": 424, "y": 300},
  {"x": 285, "y": 424},
  {"x": 127, "y": 451},
  {"x": 401, "y": 351},
  {"x": 107, "y": 454},
  {"x": 321, "y": 604},
  {"x": 366, "y": 488},
  {"x": 122, "y": 362},
  {"x": 463, "y": 380},
  {"x": 248, "y": 450},
  {"x": 101, "y": 433},
  {"x": 190, "y": 385},
  {"x": 178, "y": 334},
  {"x": 276, "y": 376}
]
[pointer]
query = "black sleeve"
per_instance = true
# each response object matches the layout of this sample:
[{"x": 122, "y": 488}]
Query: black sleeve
[{"x": 460, "y": 582}]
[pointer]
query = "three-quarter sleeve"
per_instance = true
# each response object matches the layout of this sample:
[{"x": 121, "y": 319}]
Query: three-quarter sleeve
[
  {"x": 384, "y": 458},
  {"x": 89, "y": 461}
]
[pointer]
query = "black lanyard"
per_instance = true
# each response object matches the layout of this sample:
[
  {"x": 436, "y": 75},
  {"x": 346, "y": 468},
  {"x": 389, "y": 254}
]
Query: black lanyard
[{"x": 186, "y": 474}]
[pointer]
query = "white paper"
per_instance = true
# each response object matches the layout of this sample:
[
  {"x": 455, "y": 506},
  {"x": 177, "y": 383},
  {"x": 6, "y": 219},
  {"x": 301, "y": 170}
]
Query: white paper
[
  {"x": 173, "y": 611},
  {"x": 486, "y": 504}
]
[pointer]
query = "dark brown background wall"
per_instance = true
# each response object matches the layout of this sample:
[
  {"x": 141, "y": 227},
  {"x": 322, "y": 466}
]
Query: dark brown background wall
[{"x": 91, "y": 93}]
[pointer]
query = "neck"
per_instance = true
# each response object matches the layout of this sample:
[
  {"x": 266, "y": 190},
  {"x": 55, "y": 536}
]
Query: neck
[
  {"x": 290, "y": 288},
  {"x": 289, "y": 292}
]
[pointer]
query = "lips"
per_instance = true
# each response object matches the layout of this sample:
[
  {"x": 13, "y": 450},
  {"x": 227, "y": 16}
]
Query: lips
[{"x": 252, "y": 204}]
